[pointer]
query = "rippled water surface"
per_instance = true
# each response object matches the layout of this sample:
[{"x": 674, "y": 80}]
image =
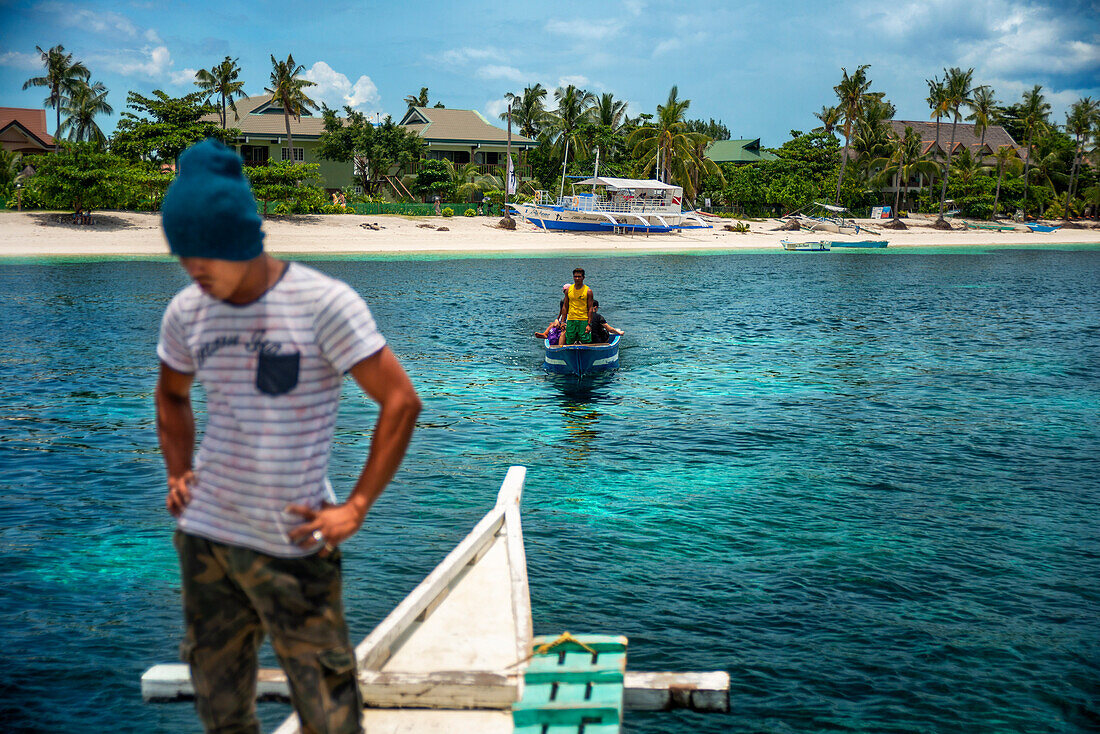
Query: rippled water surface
[{"x": 866, "y": 485}]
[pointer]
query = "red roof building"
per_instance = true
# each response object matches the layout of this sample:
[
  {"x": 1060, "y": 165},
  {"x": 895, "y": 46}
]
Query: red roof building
[{"x": 24, "y": 131}]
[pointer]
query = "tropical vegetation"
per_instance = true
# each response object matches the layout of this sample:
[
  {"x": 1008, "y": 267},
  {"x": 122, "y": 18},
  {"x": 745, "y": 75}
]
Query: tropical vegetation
[{"x": 855, "y": 156}]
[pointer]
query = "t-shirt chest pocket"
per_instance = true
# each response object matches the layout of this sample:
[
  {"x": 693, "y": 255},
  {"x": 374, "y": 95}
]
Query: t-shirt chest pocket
[{"x": 277, "y": 374}]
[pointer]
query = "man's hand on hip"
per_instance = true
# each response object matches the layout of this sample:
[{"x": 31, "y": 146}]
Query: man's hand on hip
[
  {"x": 331, "y": 525},
  {"x": 179, "y": 492}
]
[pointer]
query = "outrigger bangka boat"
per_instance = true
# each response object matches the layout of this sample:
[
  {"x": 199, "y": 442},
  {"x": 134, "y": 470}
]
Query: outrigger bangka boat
[
  {"x": 858, "y": 243},
  {"x": 582, "y": 359},
  {"x": 820, "y": 246},
  {"x": 626, "y": 205},
  {"x": 829, "y": 218},
  {"x": 458, "y": 655}
]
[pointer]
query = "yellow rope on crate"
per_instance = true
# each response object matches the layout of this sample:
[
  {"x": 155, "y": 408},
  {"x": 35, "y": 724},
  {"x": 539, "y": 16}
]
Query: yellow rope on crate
[
  {"x": 562, "y": 639},
  {"x": 547, "y": 647}
]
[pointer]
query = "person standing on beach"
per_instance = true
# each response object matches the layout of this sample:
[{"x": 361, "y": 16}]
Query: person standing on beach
[
  {"x": 575, "y": 311},
  {"x": 258, "y": 527}
]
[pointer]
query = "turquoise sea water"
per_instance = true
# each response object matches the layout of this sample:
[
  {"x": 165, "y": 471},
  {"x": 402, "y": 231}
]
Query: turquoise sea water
[{"x": 864, "y": 484}]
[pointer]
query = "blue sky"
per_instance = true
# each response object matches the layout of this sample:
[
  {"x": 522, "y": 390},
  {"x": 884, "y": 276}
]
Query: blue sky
[{"x": 762, "y": 68}]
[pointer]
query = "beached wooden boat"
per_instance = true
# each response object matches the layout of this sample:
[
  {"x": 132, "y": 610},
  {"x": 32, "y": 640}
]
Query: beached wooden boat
[
  {"x": 858, "y": 243},
  {"x": 1036, "y": 227},
  {"x": 458, "y": 654},
  {"x": 819, "y": 246},
  {"x": 990, "y": 227},
  {"x": 581, "y": 359}
]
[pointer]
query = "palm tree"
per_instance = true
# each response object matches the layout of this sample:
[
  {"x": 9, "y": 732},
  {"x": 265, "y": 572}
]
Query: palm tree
[
  {"x": 1035, "y": 111},
  {"x": 287, "y": 89},
  {"x": 872, "y": 136},
  {"x": 830, "y": 118},
  {"x": 982, "y": 109},
  {"x": 62, "y": 77},
  {"x": 467, "y": 180},
  {"x": 851, "y": 92},
  {"x": 937, "y": 102},
  {"x": 82, "y": 105},
  {"x": 529, "y": 113},
  {"x": 1080, "y": 120},
  {"x": 669, "y": 147},
  {"x": 1004, "y": 157},
  {"x": 957, "y": 90},
  {"x": 221, "y": 80},
  {"x": 418, "y": 100},
  {"x": 906, "y": 158},
  {"x": 568, "y": 121},
  {"x": 609, "y": 112}
]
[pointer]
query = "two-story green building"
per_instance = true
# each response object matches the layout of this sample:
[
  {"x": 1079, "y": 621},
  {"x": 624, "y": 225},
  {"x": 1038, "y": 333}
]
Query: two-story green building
[{"x": 263, "y": 139}]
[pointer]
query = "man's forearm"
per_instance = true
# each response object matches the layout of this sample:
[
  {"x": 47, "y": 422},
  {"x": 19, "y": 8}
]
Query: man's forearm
[
  {"x": 176, "y": 432},
  {"x": 392, "y": 433}
]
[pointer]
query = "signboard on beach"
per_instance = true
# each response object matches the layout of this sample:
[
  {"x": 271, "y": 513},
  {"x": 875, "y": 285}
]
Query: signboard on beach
[{"x": 880, "y": 212}]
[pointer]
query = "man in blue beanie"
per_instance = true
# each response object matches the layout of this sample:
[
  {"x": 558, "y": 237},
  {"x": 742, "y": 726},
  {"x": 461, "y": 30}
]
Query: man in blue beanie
[{"x": 258, "y": 526}]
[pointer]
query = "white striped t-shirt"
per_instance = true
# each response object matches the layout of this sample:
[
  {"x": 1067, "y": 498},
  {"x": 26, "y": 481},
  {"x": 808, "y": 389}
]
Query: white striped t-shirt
[{"x": 272, "y": 371}]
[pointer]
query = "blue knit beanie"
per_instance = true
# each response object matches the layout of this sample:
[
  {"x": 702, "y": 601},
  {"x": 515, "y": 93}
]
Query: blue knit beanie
[{"x": 209, "y": 210}]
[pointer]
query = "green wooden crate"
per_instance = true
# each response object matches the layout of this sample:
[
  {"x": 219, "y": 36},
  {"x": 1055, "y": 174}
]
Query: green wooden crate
[{"x": 573, "y": 684}]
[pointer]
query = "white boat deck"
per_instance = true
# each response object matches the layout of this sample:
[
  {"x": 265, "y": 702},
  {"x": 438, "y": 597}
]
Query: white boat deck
[{"x": 472, "y": 629}]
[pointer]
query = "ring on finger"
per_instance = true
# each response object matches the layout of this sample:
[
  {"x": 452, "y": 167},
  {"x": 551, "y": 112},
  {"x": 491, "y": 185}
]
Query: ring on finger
[{"x": 318, "y": 536}]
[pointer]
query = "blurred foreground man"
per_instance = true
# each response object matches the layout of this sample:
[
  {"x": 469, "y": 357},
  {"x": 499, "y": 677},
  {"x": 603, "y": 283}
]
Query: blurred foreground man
[{"x": 259, "y": 528}]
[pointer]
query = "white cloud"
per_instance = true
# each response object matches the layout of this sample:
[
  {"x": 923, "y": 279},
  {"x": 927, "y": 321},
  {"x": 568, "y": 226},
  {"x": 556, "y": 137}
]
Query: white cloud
[
  {"x": 576, "y": 80},
  {"x": 21, "y": 60},
  {"x": 494, "y": 108},
  {"x": 186, "y": 76},
  {"x": 634, "y": 7},
  {"x": 509, "y": 73},
  {"x": 1030, "y": 42},
  {"x": 336, "y": 90},
  {"x": 96, "y": 21},
  {"x": 585, "y": 30},
  {"x": 465, "y": 56},
  {"x": 150, "y": 61},
  {"x": 995, "y": 37},
  {"x": 667, "y": 45}
]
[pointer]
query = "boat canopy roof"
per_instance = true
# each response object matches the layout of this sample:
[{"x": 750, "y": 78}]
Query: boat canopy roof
[
  {"x": 830, "y": 207},
  {"x": 629, "y": 183}
]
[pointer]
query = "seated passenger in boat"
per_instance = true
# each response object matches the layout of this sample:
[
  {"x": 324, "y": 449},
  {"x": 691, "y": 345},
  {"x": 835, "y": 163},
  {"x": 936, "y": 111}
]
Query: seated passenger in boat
[
  {"x": 552, "y": 332},
  {"x": 599, "y": 328}
]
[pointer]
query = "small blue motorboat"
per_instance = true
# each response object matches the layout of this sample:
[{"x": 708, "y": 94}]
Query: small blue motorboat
[{"x": 582, "y": 359}]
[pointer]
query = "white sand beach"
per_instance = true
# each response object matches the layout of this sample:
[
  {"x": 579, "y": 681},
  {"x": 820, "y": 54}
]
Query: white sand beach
[{"x": 31, "y": 234}]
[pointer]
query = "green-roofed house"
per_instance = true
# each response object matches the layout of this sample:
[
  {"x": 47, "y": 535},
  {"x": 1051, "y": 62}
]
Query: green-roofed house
[
  {"x": 737, "y": 151},
  {"x": 464, "y": 136}
]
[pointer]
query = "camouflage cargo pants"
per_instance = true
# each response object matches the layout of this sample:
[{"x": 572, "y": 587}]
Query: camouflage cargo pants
[{"x": 231, "y": 597}]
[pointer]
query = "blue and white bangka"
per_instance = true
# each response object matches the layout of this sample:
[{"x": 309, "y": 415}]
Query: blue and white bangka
[
  {"x": 624, "y": 205},
  {"x": 582, "y": 359}
]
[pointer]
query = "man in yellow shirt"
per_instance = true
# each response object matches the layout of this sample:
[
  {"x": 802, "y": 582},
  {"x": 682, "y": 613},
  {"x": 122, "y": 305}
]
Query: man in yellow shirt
[{"x": 575, "y": 311}]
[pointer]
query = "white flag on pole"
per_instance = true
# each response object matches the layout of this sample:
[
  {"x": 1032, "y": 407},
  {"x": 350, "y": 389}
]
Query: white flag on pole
[{"x": 511, "y": 185}]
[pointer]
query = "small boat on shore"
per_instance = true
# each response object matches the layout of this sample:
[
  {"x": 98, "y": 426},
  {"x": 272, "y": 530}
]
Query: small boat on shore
[
  {"x": 581, "y": 359},
  {"x": 990, "y": 227},
  {"x": 458, "y": 655},
  {"x": 819, "y": 246},
  {"x": 1036, "y": 227},
  {"x": 859, "y": 243},
  {"x": 619, "y": 205}
]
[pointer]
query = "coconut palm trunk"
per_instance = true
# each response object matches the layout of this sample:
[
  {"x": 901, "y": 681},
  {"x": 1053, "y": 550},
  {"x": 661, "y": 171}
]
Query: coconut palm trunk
[
  {"x": 947, "y": 168},
  {"x": 289, "y": 135},
  {"x": 997, "y": 196}
]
